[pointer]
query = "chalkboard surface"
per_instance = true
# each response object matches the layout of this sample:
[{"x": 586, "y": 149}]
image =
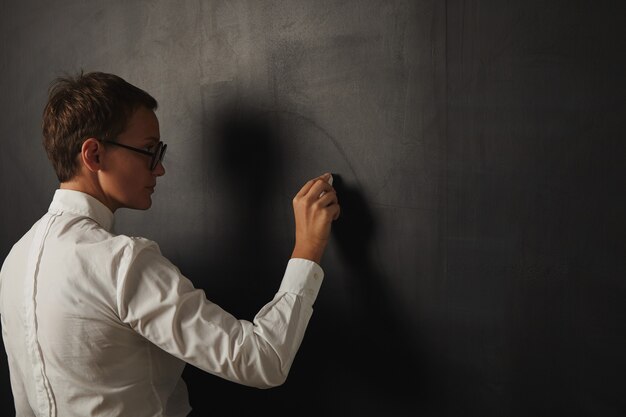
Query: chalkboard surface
[{"x": 478, "y": 149}]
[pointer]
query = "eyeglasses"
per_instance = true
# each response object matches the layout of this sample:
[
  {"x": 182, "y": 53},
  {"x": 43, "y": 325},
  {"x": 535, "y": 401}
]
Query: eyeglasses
[{"x": 157, "y": 155}]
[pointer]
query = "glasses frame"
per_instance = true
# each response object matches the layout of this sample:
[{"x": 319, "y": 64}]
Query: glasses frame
[{"x": 157, "y": 155}]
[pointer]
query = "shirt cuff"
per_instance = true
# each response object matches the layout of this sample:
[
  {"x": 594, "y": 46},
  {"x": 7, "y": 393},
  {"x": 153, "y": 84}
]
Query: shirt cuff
[{"x": 302, "y": 277}]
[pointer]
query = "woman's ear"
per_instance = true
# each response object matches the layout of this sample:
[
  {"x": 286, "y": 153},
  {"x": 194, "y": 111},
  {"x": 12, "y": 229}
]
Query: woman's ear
[{"x": 91, "y": 153}]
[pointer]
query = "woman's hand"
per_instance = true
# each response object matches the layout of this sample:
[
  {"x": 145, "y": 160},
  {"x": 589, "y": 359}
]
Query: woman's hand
[{"x": 315, "y": 207}]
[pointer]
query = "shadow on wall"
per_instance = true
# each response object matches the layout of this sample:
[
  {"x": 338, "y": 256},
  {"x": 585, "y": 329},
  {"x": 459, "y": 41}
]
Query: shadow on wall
[
  {"x": 248, "y": 249},
  {"x": 380, "y": 357},
  {"x": 245, "y": 247},
  {"x": 357, "y": 358}
]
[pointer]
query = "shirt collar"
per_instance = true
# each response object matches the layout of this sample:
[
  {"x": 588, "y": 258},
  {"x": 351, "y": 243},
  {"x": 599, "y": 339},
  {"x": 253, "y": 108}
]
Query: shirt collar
[{"x": 83, "y": 204}]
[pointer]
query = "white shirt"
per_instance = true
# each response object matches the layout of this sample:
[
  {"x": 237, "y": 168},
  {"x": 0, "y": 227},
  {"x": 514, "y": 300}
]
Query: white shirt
[{"x": 101, "y": 324}]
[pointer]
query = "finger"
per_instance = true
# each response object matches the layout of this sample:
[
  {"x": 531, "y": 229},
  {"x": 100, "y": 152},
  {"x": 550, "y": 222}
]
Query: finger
[
  {"x": 318, "y": 187},
  {"x": 307, "y": 187},
  {"x": 329, "y": 197},
  {"x": 329, "y": 179},
  {"x": 332, "y": 211}
]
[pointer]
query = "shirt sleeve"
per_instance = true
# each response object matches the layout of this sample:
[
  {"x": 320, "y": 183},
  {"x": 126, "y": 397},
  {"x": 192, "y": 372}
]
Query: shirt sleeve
[{"x": 162, "y": 305}]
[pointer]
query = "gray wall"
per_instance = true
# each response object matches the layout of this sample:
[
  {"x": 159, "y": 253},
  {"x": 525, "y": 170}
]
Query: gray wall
[{"x": 478, "y": 265}]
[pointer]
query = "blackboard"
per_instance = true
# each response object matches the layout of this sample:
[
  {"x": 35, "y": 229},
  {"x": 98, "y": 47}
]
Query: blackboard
[{"x": 478, "y": 266}]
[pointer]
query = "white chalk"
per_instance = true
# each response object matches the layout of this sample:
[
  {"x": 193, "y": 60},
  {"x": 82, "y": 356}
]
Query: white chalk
[{"x": 330, "y": 181}]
